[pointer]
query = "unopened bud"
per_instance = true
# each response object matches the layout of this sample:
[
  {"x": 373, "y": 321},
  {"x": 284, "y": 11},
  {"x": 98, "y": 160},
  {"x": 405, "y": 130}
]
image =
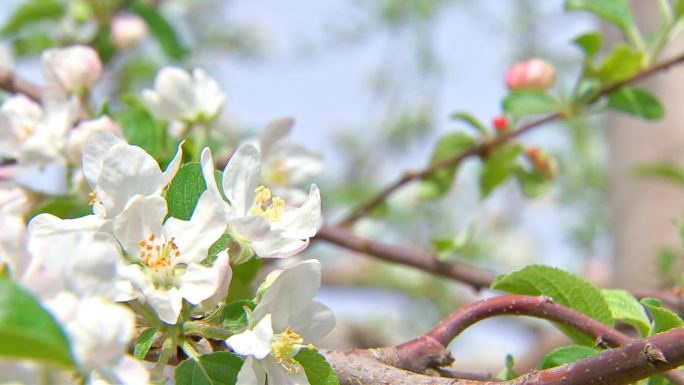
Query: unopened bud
[
  {"x": 541, "y": 162},
  {"x": 73, "y": 69},
  {"x": 127, "y": 31},
  {"x": 535, "y": 74},
  {"x": 500, "y": 123}
]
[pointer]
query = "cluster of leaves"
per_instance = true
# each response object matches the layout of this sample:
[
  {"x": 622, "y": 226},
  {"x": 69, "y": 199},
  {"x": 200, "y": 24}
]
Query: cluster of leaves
[{"x": 607, "y": 306}]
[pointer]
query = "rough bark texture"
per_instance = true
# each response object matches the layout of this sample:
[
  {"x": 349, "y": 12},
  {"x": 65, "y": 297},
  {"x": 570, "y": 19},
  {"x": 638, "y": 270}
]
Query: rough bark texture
[{"x": 644, "y": 211}]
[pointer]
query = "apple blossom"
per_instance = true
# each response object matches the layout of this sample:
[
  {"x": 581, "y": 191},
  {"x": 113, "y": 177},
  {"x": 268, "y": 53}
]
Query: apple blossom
[
  {"x": 117, "y": 171},
  {"x": 533, "y": 74},
  {"x": 181, "y": 96},
  {"x": 286, "y": 165},
  {"x": 72, "y": 69},
  {"x": 166, "y": 255},
  {"x": 78, "y": 136},
  {"x": 127, "y": 30},
  {"x": 272, "y": 228},
  {"x": 285, "y": 319},
  {"x": 36, "y": 135}
]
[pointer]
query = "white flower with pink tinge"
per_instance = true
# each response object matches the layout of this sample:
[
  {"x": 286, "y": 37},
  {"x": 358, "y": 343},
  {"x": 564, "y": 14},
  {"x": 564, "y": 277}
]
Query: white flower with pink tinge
[{"x": 72, "y": 69}]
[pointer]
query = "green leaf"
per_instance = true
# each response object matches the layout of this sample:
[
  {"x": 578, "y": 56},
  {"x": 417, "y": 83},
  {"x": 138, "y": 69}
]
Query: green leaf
[
  {"x": 103, "y": 44},
  {"x": 637, "y": 102},
  {"x": 529, "y": 102},
  {"x": 161, "y": 30},
  {"x": 667, "y": 171},
  {"x": 439, "y": 182},
  {"x": 620, "y": 64},
  {"x": 184, "y": 191},
  {"x": 65, "y": 207},
  {"x": 218, "y": 368},
  {"x": 140, "y": 129},
  {"x": 27, "y": 330},
  {"x": 532, "y": 183},
  {"x": 663, "y": 319},
  {"x": 241, "y": 283},
  {"x": 612, "y": 11},
  {"x": 678, "y": 8},
  {"x": 471, "y": 121},
  {"x": 567, "y": 354},
  {"x": 497, "y": 168},
  {"x": 32, "y": 11},
  {"x": 589, "y": 43},
  {"x": 565, "y": 288},
  {"x": 234, "y": 317},
  {"x": 316, "y": 368},
  {"x": 624, "y": 307},
  {"x": 144, "y": 342}
]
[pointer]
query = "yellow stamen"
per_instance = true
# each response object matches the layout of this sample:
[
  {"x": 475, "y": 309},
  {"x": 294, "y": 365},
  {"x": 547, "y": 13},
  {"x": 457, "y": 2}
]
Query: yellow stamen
[{"x": 266, "y": 205}]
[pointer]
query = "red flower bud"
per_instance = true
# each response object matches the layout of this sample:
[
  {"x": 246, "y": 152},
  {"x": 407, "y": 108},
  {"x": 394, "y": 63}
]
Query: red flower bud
[
  {"x": 535, "y": 74},
  {"x": 500, "y": 123}
]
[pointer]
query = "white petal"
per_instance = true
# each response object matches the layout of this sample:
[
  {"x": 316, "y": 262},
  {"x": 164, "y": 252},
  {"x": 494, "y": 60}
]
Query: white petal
[
  {"x": 251, "y": 373},
  {"x": 256, "y": 342},
  {"x": 198, "y": 283},
  {"x": 129, "y": 371},
  {"x": 241, "y": 177},
  {"x": 304, "y": 221},
  {"x": 314, "y": 322},
  {"x": 290, "y": 293},
  {"x": 252, "y": 228},
  {"x": 94, "y": 152},
  {"x": 277, "y": 374},
  {"x": 172, "y": 168},
  {"x": 277, "y": 246},
  {"x": 194, "y": 237},
  {"x": 127, "y": 171},
  {"x": 141, "y": 218},
  {"x": 48, "y": 225},
  {"x": 166, "y": 303},
  {"x": 208, "y": 173},
  {"x": 225, "y": 273},
  {"x": 274, "y": 132}
]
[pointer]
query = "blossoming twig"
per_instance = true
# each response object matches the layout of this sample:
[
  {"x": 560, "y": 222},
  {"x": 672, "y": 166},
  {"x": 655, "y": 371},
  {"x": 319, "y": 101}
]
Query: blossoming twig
[{"x": 487, "y": 146}]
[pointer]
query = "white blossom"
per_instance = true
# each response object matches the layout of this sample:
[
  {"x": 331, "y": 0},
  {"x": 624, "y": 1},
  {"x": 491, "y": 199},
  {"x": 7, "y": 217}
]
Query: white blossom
[
  {"x": 273, "y": 228},
  {"x": 286, "y": 165},
  {"x": 117, "y": 171},
  {"x": 167, "y": 255},
  {"x": 181, "y": 96},
  {"x": 285, "y": 320}
]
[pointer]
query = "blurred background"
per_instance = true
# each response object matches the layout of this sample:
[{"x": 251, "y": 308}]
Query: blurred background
[{"x": 372, "y": 85}]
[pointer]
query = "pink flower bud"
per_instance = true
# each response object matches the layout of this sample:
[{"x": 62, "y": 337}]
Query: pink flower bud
[
  {"x": 127, "y": 31},
  {"x": 73, "y": 69},
  {"x": 535, "y": 74}
]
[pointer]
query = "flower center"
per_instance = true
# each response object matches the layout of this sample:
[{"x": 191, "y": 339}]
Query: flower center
[
  {"x": 277, "y": 174},
  {"x": 266, "y": 205},
  {"x": 156, "y": 258},
  {"x": 284, "y": 346}
]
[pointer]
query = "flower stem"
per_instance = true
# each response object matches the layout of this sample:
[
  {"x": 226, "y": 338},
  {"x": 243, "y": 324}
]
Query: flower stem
[{"x": 206, "y": 330}]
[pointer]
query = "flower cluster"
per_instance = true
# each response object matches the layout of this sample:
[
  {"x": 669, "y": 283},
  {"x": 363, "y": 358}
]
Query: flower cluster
[{"x": 136, "y": 261}]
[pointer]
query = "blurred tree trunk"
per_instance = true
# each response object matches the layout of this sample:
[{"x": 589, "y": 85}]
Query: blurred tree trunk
[{"x": 644, "y": 212}]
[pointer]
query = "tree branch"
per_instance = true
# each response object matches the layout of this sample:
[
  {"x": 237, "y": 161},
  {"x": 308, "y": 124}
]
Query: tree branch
[
  {"x": 487, "y": 146},
  {"x": 475, "y": 277},
  {"x": 12, "y": 83},
  {"x": 403, "y": 364}
]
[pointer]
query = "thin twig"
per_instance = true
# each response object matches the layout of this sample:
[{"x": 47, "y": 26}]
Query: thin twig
[
  {"x": 12, "y": 83},
  {"x": 484, "y": 147},
  {"x": 475, "y": 277}
]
